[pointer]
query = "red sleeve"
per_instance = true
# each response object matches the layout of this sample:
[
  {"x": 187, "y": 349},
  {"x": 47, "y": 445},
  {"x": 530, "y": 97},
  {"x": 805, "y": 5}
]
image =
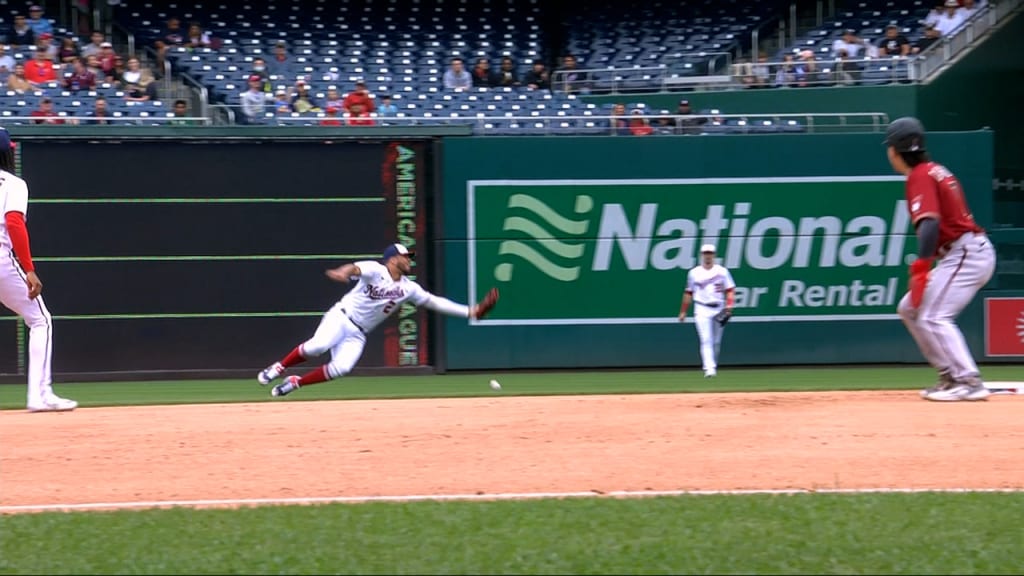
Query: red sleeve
[
  {"x": 922, "y": 196},
  {"x": 19, "y": 239}
]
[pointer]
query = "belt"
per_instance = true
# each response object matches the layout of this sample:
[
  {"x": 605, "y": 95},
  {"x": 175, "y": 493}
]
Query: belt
[
  {"x": 343, "y": 311},
  {"x": 941, "y": 251},
  {"x": 709, "y": 304}
]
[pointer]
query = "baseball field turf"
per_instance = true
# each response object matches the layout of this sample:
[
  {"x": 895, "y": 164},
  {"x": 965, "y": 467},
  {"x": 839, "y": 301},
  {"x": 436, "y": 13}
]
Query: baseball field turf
[{"x": 865, "y": 533}]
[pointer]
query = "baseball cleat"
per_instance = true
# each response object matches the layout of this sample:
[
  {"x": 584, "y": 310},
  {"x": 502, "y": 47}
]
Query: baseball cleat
[
  {"x": 53, "y": 404},
  {"x": 289, "y": 385},
  {"x": 961, "y": 391},
  {"x": 270, "y": 373},
  {"x": 710, "y": 373}
]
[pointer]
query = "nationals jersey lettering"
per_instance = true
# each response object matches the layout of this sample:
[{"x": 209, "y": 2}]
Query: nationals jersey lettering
[
  {"x": 378, "y": 295},
  {"x": 934, "y": 192},
  {"x": 13, "y": 198},
  {"x": 708, "y": 285}
]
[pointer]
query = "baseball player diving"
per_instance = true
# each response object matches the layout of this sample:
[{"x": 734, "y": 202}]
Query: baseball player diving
[
  {"x": 711, "y": 289},
  {"x": 20, "y": 287},
  {"x": 381, "y": 289},
  {"x": 963, "y": 257}
]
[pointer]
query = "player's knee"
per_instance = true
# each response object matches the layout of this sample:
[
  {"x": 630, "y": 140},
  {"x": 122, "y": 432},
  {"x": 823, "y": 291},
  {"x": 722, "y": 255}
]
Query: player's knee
[
  {"x": 337, "y": 370},
  {"x": 312, "y": 348}
]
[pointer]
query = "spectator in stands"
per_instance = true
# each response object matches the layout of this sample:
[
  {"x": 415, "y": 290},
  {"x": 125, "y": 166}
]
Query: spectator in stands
[
  {"x": 46, "y": 43},
  {"x": 68, "y": 52},
  {"x": 7, "y": 64},
  {"x": 94, "y": 47},
  {"x": 45, "y": 114},
  {"x": 180, "y": 113},
  {"x": 743, "y": 72},
  {"x": 482, "y": 76},
  {"x": 849, "y": 42},
  {"x": 686, "y": 122},
  {"x": 80, "y": 77},
  {"x": 92, "y": 64},
  {"x": 259, "y": 68},
  {"x": 360, "y": 96},
  {"x": 387, "y": 109},
  {"x": 22, "y": 34},
  {"x": 618, "y": 123},
  {"x": 951, "y": 19},
  {"x": 136, "y": 74},
  {"x": 40, "y": 69},
  {"x": 935, "y": 14},
  {"x": 282, "y": 104},
  {"x": 359, "y": 116},
  {"x": 40, "y": 25},
  {"x": 254, "y": 100},
  {"x": 538, "y": 77},
  {"x": 762, "y": 72},
  {"x": 197, "y": 38},
  {"x": 172, "y": 34},
  {"x": 931, "y": 36},
  {"x": 638, "y": 125},
  {"x": 302, "y": 100},
  {"x": 17, "y": 80},
  {"x": 138, "y": 93},
  {"x": 893, "y": 43},
  {"x": 99, "y": 114},
  {"x": 665, "y": 123},
  {"x": 332, "y": 117},
  {"x": 569, "y": 79},
  {"x": 969, "y": 9},
  {"x": 456, "y": 77},
  {"x": 334, "y": 100},
  {"x": 806, "y": 69},
  {"x": 786, "y": 73},
  {"x": 119, "y": 69},
  {"x": 108, "y": 62},
  {"x": 280, "y": 65},
  {"x": 506, "y": 75},
  {"x": 846, "y": 73}
]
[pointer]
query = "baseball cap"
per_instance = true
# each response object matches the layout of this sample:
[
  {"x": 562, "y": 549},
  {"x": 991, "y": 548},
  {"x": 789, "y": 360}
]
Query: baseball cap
[
  {"x": 35, "y": 8},
  {"x": 707, "y": 248},
  {"x": 398, "y": 249},
  {"x": 905, "y": 134},
  {"x": 106, "y": 45},
  {"x": 254, "y": 78},
  {"x": 5, "y": 139}
]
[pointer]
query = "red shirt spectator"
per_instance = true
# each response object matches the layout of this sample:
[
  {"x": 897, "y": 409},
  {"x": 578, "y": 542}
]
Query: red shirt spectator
[
  {"x": 40, "y": 70},
  {"x": 45, "y": 114},
  {"x": 360, "y": 96},
  {"x": 331, "y": 119}
]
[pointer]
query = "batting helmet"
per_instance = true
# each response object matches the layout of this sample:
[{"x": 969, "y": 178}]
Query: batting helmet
[{"x": 905, "y": 135}]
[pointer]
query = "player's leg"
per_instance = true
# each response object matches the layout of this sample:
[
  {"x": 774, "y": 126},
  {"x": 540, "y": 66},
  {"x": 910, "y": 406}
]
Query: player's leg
[
  {"x": 911, "y": 319},
  {"x": 14, "y": 295},
  {"x": 707, "y": 343},
  {"x": 343, "y": 358},
  {"x": 719, "y": 329},
  {"x": 957, "y": 279},
  {"x": 327, "y": 335}
]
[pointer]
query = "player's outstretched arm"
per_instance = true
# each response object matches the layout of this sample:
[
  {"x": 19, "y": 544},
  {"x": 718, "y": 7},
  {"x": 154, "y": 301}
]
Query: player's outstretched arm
[
  {"x": 343, "y": 273},
  {"x": 445, "y": 306}
]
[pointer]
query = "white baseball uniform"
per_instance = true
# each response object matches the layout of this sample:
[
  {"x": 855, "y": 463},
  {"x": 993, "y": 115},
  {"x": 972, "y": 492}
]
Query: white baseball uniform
[
  {"x": 708, "y": 286},
  {"x": 14, "y": 295},
  {"x": 376, "y": 296}
]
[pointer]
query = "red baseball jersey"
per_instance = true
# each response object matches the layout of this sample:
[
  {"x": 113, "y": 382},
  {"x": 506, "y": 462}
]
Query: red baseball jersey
[{"x": 934, "y": 192}]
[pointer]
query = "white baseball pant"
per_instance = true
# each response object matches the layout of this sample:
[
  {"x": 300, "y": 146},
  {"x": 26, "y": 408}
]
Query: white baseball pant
[
  {"x": 710, "y": 333},
  {"x": 341, "y": 336},
  {"x": 14, "y": 295},
  {"x": 967, "y": 265}
]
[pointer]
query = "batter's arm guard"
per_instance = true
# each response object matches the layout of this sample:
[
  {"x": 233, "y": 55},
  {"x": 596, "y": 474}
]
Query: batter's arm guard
[{"x": 485, "y": 305}]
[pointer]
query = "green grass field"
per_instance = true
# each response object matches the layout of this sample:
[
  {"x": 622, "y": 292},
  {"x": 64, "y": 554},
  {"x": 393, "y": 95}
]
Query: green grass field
[{"x": 923, "y": 533}]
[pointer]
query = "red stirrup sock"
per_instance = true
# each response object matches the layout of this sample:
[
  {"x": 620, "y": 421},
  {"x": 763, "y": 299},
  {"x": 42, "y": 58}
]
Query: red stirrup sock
[
  {"x": 294, "y": 357},
  {"x": 314, "y": 376}
]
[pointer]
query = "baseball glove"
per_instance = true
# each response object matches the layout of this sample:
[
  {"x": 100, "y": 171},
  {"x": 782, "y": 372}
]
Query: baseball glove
[
  {"x": 723, "y": 316},
  {"x": 487, "y": 303}
]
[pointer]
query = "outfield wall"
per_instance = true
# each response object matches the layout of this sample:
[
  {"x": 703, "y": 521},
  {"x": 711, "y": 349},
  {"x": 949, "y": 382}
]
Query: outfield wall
[{"x": 589, "y": 240}]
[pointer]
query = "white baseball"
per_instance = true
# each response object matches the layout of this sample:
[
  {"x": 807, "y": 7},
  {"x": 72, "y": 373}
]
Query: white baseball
[{"x": 495, "y": 385}]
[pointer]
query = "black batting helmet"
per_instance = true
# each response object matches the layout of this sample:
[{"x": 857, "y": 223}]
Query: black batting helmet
[{"x": 905, "y": 135}]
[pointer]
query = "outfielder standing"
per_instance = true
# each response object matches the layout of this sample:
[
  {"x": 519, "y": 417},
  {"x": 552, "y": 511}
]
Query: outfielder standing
[
  {"x": 382, "y": 288},
  {"x": 712, "y": 290},
  {"x": 948, "y": 234},
  {"x": 20, "y": 287}
]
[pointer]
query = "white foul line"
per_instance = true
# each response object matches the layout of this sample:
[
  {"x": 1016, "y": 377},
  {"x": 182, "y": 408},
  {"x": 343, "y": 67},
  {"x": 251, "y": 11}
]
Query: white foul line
[{"x": 237, "y": 502}]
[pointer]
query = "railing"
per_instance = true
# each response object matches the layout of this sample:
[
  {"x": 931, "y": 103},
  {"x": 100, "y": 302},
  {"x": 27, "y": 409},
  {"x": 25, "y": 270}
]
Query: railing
[
  {"x": 939, "y": 54},
  {"x": 711, "y": 123},
  {"x": 227, "y": 110},
  {"x": 68, "y": 120},
  {"x": 613, "y": 80},
  {"x": 204, "y": 93},
  {"x": 825, "y": 72}
]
